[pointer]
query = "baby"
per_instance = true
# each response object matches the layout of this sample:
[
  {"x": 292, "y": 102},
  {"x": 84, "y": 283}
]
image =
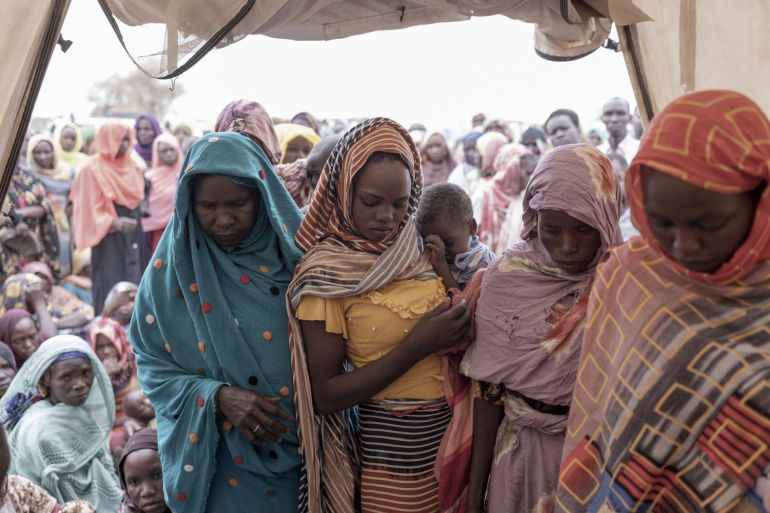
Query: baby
[
  {"x": 137, "y": 406},
  {"x": 445, "y": 220}
]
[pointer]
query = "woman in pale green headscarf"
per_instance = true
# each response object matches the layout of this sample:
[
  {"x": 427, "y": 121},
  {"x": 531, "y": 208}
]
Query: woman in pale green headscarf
[
  {"x": 58, "y": 413},
  {"x": 210, "y": 332}
]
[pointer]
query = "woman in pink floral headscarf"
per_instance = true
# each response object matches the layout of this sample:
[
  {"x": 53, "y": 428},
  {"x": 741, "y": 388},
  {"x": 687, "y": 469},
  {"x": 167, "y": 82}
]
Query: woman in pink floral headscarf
[{"x": 529, "y": 330}]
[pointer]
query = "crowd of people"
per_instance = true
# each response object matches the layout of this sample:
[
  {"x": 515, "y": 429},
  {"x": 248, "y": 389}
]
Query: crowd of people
[{"x": 290, "y": 315}]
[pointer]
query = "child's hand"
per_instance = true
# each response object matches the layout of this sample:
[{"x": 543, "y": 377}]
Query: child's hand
[
  {"x": 131, "y": 426},
  {"x": 437, "y": 251}
]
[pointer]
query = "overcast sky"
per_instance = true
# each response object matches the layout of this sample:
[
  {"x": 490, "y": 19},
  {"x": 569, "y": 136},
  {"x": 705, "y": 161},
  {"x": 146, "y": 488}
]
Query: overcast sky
[{"x": 439, "y": 75}]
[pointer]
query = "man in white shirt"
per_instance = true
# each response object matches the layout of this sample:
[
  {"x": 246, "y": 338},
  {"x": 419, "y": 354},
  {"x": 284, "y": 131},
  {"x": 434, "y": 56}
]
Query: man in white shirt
[{"x": 616, "y": 115}]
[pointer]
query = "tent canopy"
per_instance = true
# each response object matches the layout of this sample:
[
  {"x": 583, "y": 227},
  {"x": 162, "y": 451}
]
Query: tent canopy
[
  {"x": 565, "y": 29},
  {"x": 670, "y": 46}
]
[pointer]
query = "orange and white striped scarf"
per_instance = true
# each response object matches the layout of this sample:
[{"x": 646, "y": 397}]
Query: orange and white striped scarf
[{"x": 340, "y": 262}]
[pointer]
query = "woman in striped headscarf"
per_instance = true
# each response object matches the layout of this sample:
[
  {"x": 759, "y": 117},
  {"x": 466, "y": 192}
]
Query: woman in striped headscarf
[{"x": 367, "y": 316}]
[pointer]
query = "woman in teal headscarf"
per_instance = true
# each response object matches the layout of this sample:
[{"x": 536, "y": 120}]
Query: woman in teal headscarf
[{"x": 210, "y": 331}]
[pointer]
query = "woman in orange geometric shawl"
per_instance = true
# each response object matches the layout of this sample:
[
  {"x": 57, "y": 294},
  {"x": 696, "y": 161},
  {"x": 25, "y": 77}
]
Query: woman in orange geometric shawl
[
  {"x": 671, "y": 411},
  {"x": 529, "y": 330}
]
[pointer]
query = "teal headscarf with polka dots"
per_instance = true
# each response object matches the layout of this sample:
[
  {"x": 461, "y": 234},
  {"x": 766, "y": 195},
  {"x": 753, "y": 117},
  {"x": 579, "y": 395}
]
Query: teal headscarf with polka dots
[{"x": 207, "y": 316}]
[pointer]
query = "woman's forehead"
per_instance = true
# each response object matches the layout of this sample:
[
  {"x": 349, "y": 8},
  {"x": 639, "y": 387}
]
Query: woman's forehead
[{"x": 70, "y": 365}]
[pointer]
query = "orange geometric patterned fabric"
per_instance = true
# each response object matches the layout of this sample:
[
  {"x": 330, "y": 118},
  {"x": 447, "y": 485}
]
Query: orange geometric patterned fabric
[
  {"x": 717, "y": 140},
  {"x": 671, "y": 411}
]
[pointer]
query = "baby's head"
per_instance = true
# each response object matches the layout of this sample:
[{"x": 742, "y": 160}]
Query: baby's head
[
  {"x": 446, "y": 211},
  {"x": 137, "y": 406}
]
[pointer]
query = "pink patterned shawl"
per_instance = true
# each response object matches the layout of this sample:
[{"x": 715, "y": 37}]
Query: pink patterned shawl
[
  {"x": 578, "y": 180},
  {"x": 529, "y": 324},
  {"x": 164, "y": 180},
  {"x": 498, "y": 193},
  {"x": 252, "y": 120}
]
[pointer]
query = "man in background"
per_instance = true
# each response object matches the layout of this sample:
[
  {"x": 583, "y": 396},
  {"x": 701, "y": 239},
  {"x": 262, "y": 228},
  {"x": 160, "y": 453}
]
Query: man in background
[{"x": 616, "y": 115}]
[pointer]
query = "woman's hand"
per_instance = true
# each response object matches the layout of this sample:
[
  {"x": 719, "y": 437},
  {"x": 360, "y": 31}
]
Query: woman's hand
[
  {"x": 249, "y": 413},
  {"x": 37, "y": 302},
  {"x": 124, "y": 225},
  {"x": 22, "y": 230},
  {"x": 36, "y": 296},
  {"x": 440, "y": 329},
  {"x": 5, "y": 221}
]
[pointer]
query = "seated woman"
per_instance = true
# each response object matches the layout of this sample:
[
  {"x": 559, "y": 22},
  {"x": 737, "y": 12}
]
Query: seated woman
[
  {"x": 8, "y": 368},
  {"x": 163, "y": 176},
  {"x": 58, "y": 413},
  {"x": 36, "y": 236},
  {"x": 141, "y": 474},
  {"x": 210, "y": 333},
  {"x": 27, "y": 292},
  {"x": 20, "y": 495},
  {"x": 368, "y": 315},
  {"x": 529, "y": 330},
  {"x": 57, "y": 178},
  {"x": 109, "y": 341},
  {"x": 671, "y": 408},
  {"x": 21, "y": 331},
  {"x": 297, "y": 141},
  {"x": 67, "y": 311}
]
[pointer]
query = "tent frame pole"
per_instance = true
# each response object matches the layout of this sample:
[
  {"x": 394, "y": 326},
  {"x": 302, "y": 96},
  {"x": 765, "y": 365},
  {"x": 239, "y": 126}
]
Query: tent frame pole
[{"x": 58, "y": 11}]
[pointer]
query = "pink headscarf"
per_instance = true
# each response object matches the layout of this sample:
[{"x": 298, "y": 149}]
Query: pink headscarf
[
  {"x": 105, "y": 181},
  {"x": 164, "y": 179},
  {"x": 489, "y": 145},
  {"x": 251, "y": 119},
  {"x": 116, "y": 334},
  {"x": 436, "y": 173},
  {"x": 533, "y": 338},
  {"x": 498, "y": 193}
]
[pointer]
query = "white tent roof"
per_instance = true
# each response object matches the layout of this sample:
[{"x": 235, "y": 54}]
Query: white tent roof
[{"x": 670, "y": 46}]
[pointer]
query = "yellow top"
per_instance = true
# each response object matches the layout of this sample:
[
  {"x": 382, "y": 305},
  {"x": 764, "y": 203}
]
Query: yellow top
[{"x": 375, "y": 323}]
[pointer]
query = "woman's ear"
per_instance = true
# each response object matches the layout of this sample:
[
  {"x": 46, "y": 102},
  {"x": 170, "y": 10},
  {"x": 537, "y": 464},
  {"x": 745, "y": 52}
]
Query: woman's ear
[{"x": 46, "y": 379}]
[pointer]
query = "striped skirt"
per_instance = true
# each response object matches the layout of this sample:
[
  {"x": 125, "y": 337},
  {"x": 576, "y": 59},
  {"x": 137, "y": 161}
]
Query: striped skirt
[{"x": 399, "y": 441}]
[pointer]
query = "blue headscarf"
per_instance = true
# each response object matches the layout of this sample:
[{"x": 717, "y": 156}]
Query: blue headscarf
[{"x": 207, "y": 316}]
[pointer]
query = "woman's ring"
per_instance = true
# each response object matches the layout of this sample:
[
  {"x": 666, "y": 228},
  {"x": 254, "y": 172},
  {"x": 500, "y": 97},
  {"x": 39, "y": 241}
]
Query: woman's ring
[{"x": 256, "y": 429}]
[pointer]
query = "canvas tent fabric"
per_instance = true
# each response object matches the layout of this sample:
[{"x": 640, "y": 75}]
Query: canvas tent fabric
[
  {"x": 695, "y": 45},
  {"x": 565, "y": 29},
  {"x": 27, "y": 37},
  {"x": 671, "y": 46}
]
